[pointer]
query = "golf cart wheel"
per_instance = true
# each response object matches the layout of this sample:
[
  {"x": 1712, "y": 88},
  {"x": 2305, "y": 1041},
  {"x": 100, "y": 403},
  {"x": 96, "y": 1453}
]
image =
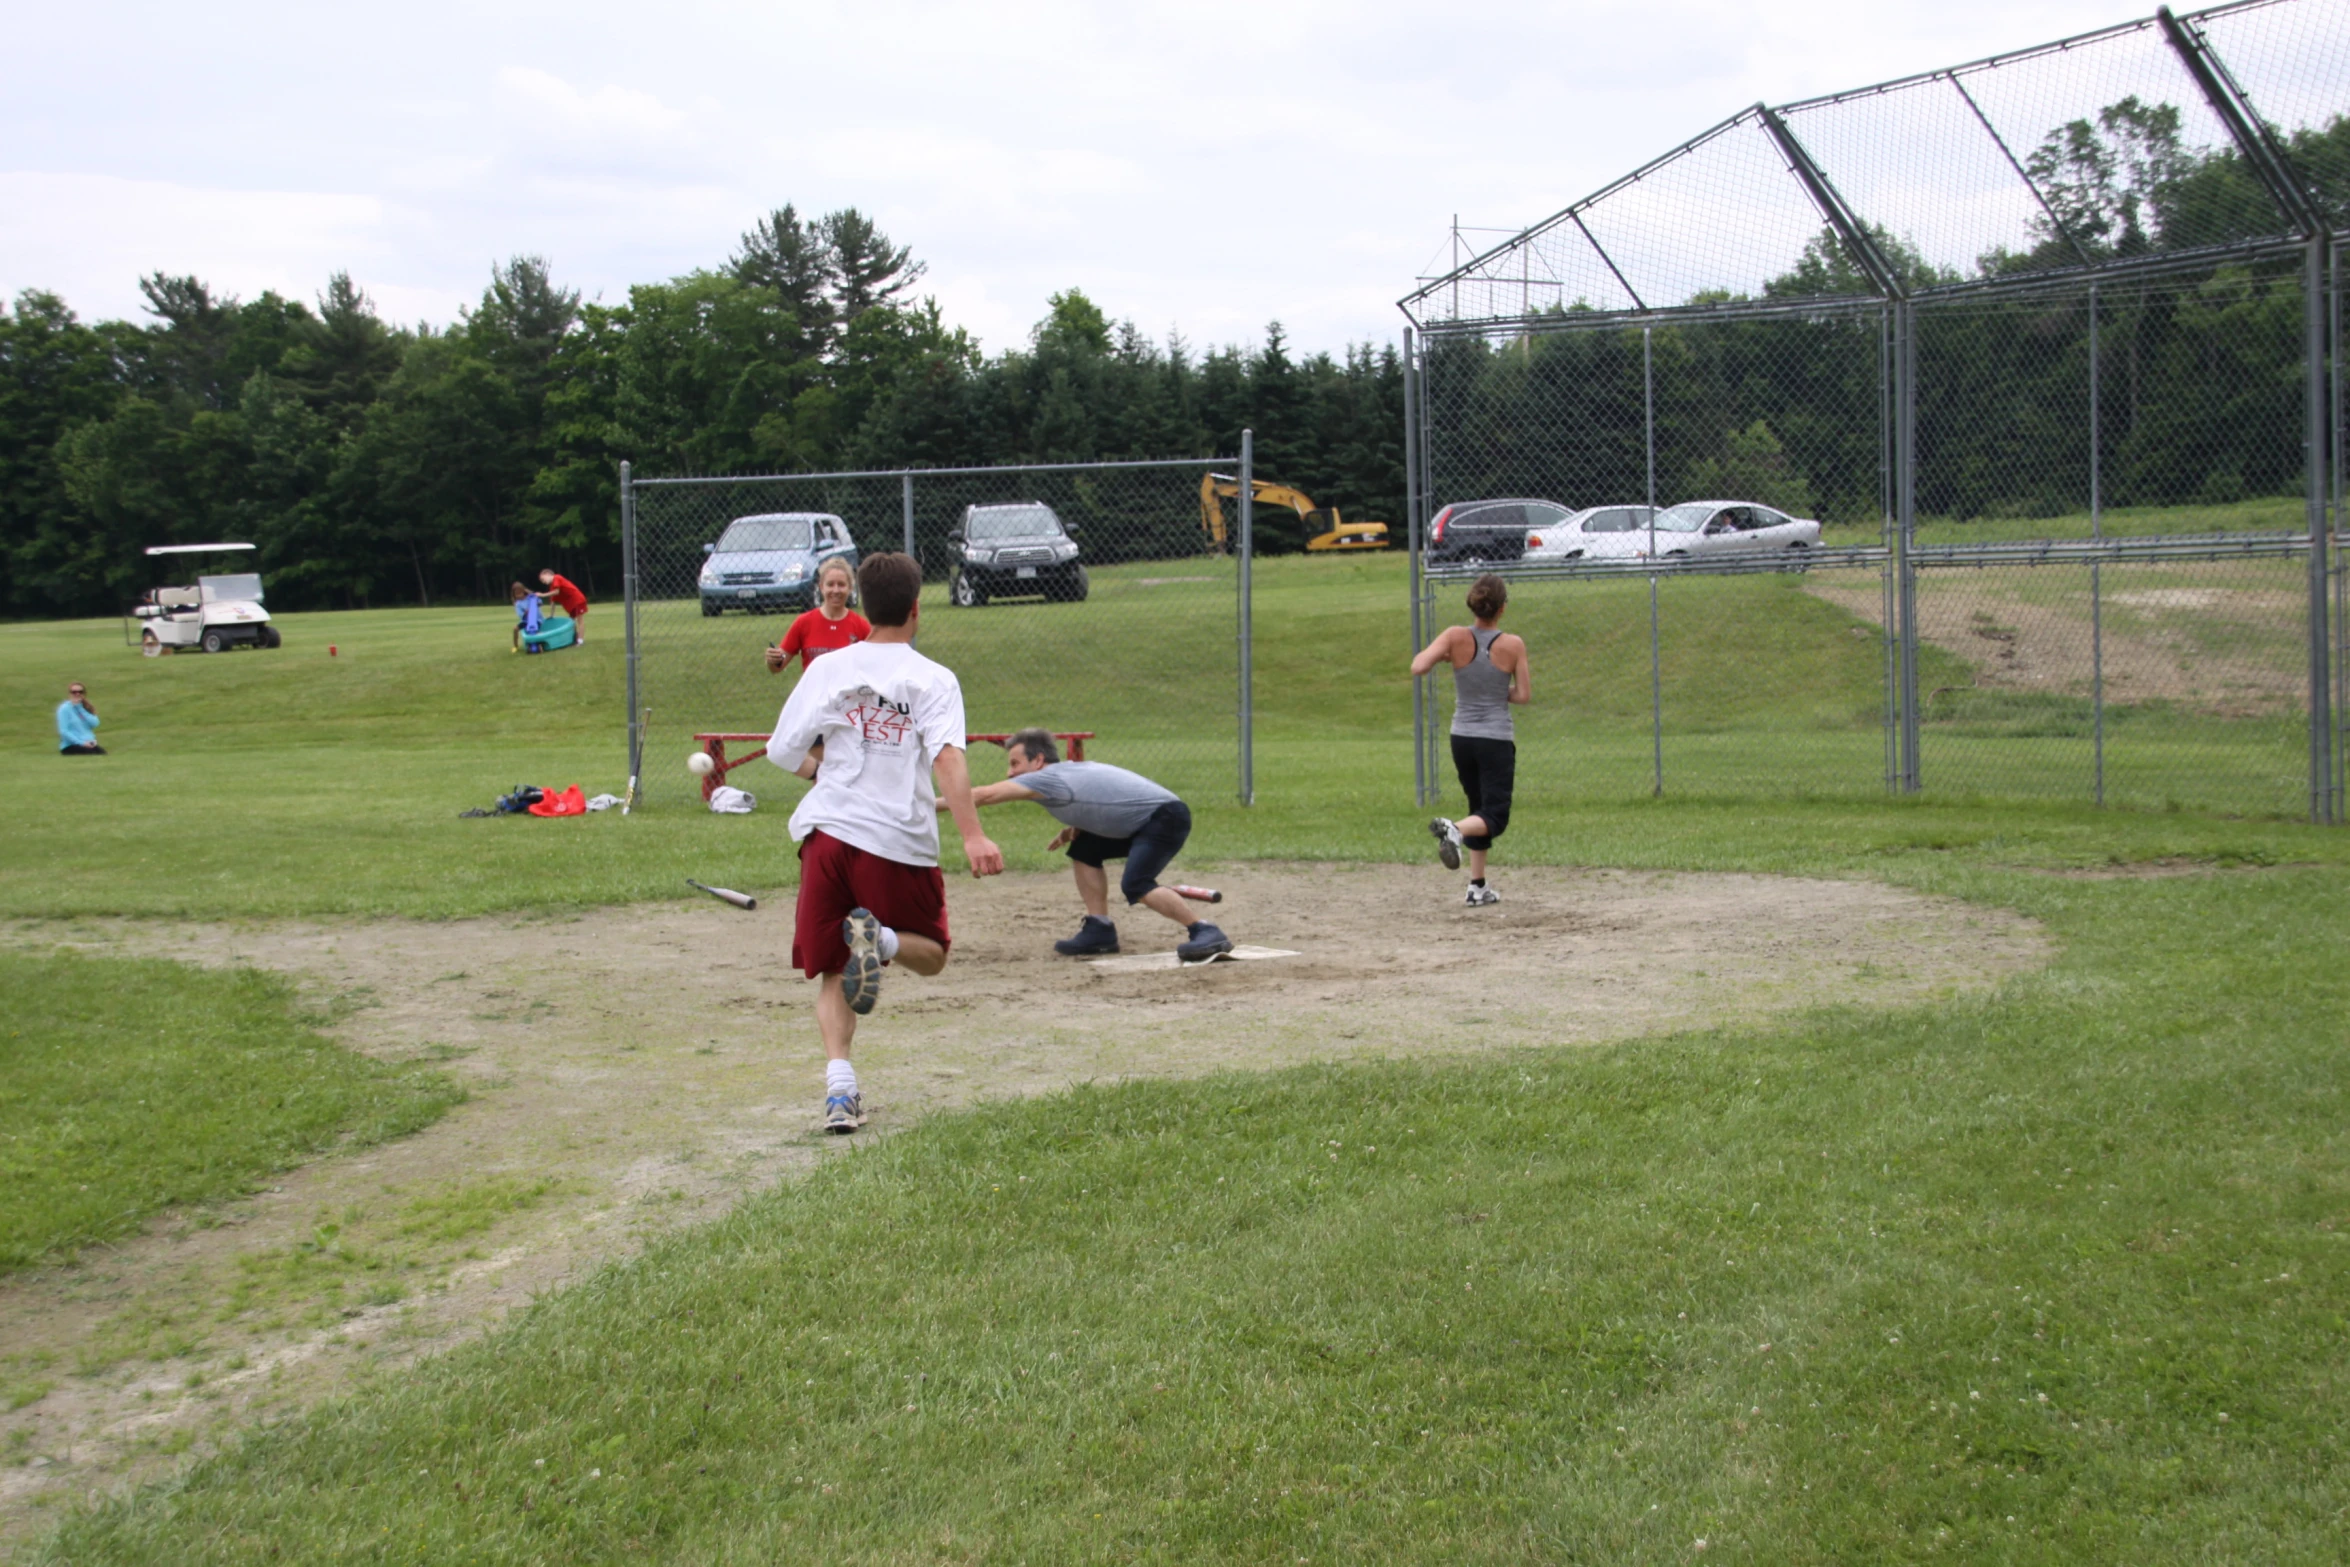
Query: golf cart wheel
[
  {"x": 150, "y": 645},
  {"x": 214, "y": 642},
  {"x": 963, "y": 593},
  {"x": 271, "y": 638}
]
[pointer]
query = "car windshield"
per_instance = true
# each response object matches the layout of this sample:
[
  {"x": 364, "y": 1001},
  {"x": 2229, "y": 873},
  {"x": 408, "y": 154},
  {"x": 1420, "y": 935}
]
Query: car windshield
[
  {"x": 221, "y": 590},
  {"x": 745, "y": 534},
  {"x": 1688, "y": 517},
  {"x": 1014, "y": 522}
]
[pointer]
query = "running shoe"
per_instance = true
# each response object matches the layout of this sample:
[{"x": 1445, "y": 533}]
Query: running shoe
[
  {"x": 844, "y": 1113},
  {"x": 1205, "y": 942},
  {"x": 1479, "y": 897},
  {"x": 860, "y": 982},
  {"x": 1448, "y": 842},
  {"x": 1095, "y": 938}
]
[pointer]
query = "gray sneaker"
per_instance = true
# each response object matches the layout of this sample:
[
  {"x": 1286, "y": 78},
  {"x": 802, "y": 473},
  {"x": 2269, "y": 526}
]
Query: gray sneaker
[
  {"x": 860, "y": 982},
  {"x": 1479, "y": 897},
  {"x": 1205, "y": 942},
  {"x": 844, "y": 1113},
  {"x": 1448, "y": 842}
]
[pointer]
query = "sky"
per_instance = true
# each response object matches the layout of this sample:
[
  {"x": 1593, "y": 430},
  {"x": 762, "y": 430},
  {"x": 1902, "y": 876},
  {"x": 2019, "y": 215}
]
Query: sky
[{"x": 1203, "y": 168}]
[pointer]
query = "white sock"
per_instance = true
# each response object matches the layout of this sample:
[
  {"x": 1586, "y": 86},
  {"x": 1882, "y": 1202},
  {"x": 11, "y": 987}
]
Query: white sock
[
  {"x": 886, "y": 944},
  {"x": 840, "y": 1079}
]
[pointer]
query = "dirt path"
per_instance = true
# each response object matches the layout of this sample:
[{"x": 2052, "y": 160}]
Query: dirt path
[
  {"x": 2224, "y": 650},
  {"x": 639, "y": 1068}
]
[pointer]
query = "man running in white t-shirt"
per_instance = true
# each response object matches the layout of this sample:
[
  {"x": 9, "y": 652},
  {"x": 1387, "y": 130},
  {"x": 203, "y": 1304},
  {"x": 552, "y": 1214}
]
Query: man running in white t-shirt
[
  {"x": 1108, "y": 814},
  {"x": 870, "y": 724}
]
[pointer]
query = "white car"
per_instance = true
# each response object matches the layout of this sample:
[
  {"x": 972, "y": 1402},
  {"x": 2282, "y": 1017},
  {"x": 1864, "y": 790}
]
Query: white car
[
  {"x": 1595, "y": 530},
  {"x": 1700, "y": 528}
]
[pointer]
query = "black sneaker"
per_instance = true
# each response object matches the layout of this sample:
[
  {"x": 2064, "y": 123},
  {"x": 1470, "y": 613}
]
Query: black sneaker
[
  {"x": 1095, "y": 938},
  {"x": 1448, "y": 842},
  {"x": 860, "y": 982},
  {"x": 1206, "y": 942}
]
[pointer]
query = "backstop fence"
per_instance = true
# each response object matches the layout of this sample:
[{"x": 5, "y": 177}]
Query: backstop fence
[
  {"x": 2044, "y": 346},
  {"x": 1104, "y": 600}
]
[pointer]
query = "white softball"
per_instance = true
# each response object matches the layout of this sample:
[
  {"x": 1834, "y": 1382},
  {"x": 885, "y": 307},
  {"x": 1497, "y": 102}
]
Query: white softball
[{"x": 701, "y": 764}]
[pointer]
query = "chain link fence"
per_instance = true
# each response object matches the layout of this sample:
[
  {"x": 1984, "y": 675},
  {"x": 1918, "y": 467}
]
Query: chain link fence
[
  {"x": 1999, "y": 400},
  {"x": 1102, "y": 600}
]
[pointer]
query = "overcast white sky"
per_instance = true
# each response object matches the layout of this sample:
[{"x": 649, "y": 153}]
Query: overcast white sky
[{"x": 1204, "y": 167}]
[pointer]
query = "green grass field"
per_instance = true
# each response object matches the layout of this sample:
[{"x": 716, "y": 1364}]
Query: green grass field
[
  {"x": 128, "y": 1087},
  {"x": 291, "y": 782},
  {"x": 2057, "y": 1273}
]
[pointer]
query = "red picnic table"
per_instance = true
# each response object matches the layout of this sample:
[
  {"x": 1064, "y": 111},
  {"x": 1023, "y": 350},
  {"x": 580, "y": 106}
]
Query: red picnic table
[{"x": 715, "y": 744}]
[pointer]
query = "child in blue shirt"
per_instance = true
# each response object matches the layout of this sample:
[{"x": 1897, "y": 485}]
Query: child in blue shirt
[{"x": 526, "y": 614}]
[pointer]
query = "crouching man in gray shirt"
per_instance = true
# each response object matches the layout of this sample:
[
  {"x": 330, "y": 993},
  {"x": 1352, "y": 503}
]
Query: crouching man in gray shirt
[{"x": 1108, "y": 814}]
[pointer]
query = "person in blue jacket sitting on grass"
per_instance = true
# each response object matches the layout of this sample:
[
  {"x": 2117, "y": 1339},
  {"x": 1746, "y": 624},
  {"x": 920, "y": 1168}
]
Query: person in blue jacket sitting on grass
[{"x": 77, "y": 724}]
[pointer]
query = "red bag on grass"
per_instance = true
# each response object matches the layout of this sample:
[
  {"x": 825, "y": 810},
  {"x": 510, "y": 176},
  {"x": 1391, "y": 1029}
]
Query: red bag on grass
[{"x": 561, "y": 802}]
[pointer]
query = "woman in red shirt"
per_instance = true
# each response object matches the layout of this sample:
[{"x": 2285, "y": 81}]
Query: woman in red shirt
[
  {"x": 830, "y": 625},
  {"x": 566, "y": 593}
]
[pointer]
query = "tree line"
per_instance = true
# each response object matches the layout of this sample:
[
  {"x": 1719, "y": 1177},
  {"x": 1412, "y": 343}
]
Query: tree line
[
  {"x": 375, "y": 464},
  {"x": 379, "y": 464}
]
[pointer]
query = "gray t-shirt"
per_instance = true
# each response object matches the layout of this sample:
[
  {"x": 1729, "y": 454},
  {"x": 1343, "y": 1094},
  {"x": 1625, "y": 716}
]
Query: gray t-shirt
[{"x": 1095, "y": 797}]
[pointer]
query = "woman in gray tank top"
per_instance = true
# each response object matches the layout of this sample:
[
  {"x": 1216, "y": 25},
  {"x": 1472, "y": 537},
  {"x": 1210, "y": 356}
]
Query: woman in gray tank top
[{"x": 1489, "y": 673}]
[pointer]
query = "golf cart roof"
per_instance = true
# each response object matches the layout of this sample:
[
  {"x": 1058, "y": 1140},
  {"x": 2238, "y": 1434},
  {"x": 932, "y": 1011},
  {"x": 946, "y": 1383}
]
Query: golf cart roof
[{"x": 194, "y": 549}]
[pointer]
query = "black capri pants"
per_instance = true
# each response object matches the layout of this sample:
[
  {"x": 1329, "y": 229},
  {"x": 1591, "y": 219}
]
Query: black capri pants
[
  {"x": 1152, "y": 848},
  {"x": 1489, "y": 773}
]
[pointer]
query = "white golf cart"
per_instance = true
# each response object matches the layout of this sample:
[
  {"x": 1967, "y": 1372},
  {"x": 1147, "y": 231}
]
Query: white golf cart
[{"x": 218, "y": 613}]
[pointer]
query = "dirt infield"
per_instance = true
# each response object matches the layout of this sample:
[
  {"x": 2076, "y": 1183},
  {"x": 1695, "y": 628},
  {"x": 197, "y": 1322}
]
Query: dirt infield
[{"x": 638, "y": 1068}]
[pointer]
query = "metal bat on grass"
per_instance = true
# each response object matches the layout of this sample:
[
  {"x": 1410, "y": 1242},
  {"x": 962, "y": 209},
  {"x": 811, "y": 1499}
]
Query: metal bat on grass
[{"x": 741, "y": 900}]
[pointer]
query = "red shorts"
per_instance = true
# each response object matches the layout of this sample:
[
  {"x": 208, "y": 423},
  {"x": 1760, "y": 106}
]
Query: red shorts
[{"x": 835, "y": 878}]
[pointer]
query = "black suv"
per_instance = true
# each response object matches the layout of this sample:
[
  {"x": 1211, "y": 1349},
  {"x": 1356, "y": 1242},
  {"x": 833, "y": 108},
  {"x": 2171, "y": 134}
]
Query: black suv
[
  {"x": 1018, "y": 548},
  {"x": 1487, "y": 531}
]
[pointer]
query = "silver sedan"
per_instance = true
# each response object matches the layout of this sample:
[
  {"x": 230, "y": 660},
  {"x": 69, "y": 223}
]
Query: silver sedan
[{"x": 1696, "y": 528}]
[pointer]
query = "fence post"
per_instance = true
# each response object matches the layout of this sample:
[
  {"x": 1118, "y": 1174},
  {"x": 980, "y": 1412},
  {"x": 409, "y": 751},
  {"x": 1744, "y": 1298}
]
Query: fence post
[
  {"x": 636, "y": 733},
  {"x": 2341, "y": 531},
  {"x": 2096, "y": 568},
  {"x": 1411, "y": 526},
  {"x": 1888, "y": 607},
  {"x": 1248, "y": 543},
  {"x": 1428, "y": 759},
  {"x": 1656, "y": 668},
  {"x": 2321, "y": 701},
  {"x": 906, "y": 481},
  {"x": 1905, "y": 396}
]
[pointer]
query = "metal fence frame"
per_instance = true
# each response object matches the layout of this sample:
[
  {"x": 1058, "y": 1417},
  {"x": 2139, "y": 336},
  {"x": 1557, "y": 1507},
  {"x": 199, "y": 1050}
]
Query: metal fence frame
[
  {"x": 2305, "y": 235},
  {"x": 1243, "y": 547}
]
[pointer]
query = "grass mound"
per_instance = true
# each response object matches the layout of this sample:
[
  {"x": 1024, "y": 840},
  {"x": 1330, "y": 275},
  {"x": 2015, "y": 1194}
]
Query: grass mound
[
  {"x": 127, "y": 1086},
  {"x": 2054, "y": 1274}
]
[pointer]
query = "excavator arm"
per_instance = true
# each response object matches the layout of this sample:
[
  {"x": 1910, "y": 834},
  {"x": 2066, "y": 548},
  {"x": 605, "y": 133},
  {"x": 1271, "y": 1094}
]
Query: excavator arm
[{"x": 1216, "y": 488}]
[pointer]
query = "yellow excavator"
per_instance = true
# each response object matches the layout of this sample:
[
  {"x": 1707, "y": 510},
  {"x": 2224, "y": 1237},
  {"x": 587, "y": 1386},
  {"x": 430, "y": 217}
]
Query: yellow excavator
[{"x": 1324, "y": 528}]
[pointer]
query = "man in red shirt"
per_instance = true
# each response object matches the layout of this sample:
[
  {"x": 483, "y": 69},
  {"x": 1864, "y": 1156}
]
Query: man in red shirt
[
  {"x": 566, "y": 593},
  {"x": 827, "y": 628}
]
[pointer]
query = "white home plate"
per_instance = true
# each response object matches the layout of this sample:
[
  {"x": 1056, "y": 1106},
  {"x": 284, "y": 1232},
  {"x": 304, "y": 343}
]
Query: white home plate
[{"x": 1169, "y": 960}]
